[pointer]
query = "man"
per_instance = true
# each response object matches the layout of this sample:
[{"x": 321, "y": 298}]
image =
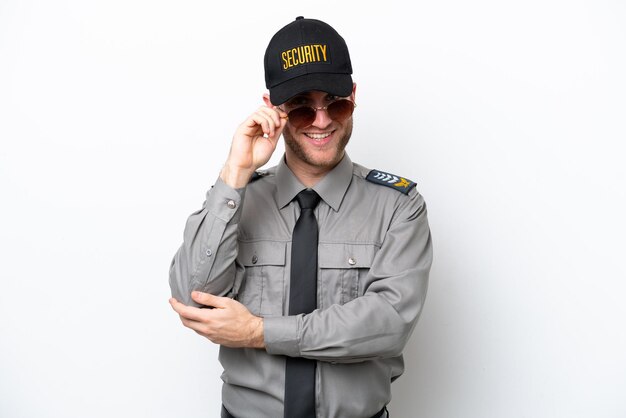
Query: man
[{"x": 316, "y": 270}]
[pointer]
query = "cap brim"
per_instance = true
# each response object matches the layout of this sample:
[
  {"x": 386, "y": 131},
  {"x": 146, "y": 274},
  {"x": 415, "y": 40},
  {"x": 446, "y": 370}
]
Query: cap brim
[{"x": 336, "y": 84}]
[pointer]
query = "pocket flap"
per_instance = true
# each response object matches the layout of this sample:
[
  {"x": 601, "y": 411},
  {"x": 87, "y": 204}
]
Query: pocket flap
[
  {"x": 345, "y": 256},
  {"x": 262, "y": 253}
]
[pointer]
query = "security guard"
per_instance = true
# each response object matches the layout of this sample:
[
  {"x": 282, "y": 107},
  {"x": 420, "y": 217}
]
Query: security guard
[{"x": 316, "y": 269}]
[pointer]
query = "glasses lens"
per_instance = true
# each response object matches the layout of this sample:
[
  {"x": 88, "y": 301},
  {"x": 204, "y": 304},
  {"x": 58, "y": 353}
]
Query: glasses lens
[
  {"x": 338, "y": 110},
  {"x": 301, "y": 117}
]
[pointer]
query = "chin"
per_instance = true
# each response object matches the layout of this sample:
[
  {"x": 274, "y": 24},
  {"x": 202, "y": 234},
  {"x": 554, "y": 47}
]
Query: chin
[{"x": 326, "y": 157}]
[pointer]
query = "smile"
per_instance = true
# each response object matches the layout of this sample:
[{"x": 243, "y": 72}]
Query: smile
[{"x": 318, "y": 136}]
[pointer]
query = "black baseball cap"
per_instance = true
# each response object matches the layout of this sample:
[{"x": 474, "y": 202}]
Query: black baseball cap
[{"x": 307, "y": 54}]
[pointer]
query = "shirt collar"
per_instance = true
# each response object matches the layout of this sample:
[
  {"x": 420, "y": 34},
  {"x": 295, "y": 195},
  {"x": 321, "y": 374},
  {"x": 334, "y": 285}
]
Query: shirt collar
[{"x": 332, "y": 188}]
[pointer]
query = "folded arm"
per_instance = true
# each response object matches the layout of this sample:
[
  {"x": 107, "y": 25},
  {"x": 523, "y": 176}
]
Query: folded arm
[{"x": 377, "y": 324}]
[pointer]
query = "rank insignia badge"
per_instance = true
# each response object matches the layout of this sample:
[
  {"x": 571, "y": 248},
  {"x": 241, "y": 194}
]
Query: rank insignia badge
[{"x": 391, "y": 180}]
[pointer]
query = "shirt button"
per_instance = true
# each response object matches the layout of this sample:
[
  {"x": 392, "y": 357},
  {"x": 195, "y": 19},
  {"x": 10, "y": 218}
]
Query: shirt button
[
  {"x": 209, "y": 253},
  {"x": 351, "y": 261},
  {"x": 231, "y": 204},
  {"x": 254, "y": 259}
]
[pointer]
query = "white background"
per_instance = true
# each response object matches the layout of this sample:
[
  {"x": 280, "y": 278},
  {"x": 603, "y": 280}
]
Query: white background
[{"x": 115, "y": 118}]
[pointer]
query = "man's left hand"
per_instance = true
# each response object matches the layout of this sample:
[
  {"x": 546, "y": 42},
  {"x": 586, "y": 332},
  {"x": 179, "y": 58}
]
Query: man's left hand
[{"x": 229, "y": 323}]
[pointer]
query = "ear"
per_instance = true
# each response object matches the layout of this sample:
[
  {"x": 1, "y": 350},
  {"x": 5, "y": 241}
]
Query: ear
[
  {"x": 266, "y": 99},
  {"x": 353, "y": 95}
]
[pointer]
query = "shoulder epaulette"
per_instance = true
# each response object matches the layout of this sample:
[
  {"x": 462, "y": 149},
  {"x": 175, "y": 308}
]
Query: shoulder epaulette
[{"x": 391, "y": 180}]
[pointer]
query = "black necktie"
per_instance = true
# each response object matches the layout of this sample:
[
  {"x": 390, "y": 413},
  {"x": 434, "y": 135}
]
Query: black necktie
[{"x": 300, "y": 372}]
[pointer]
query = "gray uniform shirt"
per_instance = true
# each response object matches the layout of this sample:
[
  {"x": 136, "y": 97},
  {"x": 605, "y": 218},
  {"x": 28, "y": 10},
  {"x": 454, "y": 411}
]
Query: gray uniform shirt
[{"x": 374, "y": 257}]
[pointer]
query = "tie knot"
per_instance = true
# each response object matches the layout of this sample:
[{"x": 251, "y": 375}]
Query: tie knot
[{"x": 308, "y": 199}]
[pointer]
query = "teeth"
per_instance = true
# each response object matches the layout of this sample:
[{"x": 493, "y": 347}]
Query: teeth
[{"x": 319, "y": 137}]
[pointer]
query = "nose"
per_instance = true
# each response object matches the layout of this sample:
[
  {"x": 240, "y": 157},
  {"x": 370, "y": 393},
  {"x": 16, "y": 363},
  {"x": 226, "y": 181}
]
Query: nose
[{"x": 322, "y": 120}]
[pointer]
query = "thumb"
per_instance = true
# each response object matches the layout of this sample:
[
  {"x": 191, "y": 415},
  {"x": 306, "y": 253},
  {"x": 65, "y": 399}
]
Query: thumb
[{"x": 208, "y": 299}]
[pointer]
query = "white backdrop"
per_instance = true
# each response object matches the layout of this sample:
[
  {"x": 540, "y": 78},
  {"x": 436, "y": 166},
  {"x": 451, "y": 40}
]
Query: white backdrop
[{"x": 115, "y": 118}]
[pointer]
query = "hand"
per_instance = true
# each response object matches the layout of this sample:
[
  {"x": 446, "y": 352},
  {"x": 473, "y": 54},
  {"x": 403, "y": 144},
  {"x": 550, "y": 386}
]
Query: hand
[
  {"x": 253, "y": 144},
  {"x": 229, "y": 323}
]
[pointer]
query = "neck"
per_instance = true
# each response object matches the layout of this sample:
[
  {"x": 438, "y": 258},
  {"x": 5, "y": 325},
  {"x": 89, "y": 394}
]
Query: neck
[{"x": 308, "y": 174}]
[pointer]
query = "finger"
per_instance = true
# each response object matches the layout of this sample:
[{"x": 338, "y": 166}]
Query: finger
[
  {"x": 277, "y": 133},
  {"x": 271, "y": 112},
  {"x": 271, "y": 121},
  {"x": 277, "y": 115},
  {"x": 256, "y": 125},
  {"x": 283, "y": 124},
  {"x": 257, "y": 121},
  {"x": 209, "y": 299},
  {"x": 281, "y": 113},
  {"x": 199, "y": 327},
  {"x": 189, "y": 312},
  {"x": 280, "y": 119}
]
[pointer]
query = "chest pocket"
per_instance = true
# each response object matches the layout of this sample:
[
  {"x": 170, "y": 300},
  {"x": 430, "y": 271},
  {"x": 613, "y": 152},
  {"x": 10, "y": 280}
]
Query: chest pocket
[
  {"x": 343, "y": 268},
  {"x": 262, "y": 287}
]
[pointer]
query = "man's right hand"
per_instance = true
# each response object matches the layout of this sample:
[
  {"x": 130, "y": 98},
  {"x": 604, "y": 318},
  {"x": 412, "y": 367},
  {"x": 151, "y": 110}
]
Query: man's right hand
[{"x": 253, "y": 144}]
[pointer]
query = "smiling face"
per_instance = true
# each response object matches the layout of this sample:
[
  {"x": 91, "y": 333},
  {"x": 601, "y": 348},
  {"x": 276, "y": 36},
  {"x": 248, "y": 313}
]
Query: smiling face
[{"x": 318, "y": 147}]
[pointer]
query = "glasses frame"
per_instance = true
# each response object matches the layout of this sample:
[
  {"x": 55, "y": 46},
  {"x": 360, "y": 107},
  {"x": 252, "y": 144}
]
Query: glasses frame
[{"x": 315, "y": 109}]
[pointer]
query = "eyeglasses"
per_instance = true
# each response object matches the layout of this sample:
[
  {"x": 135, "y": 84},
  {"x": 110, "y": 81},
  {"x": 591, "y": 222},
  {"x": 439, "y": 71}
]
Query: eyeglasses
[{"x": 338, "y": 110}]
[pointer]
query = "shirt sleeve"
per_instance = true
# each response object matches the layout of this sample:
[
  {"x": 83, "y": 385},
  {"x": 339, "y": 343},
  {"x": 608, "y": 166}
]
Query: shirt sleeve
[
  {"x": 206, "y": 259},
  {"x": 379, "y": 323}
]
